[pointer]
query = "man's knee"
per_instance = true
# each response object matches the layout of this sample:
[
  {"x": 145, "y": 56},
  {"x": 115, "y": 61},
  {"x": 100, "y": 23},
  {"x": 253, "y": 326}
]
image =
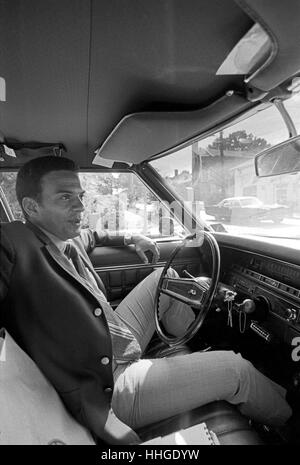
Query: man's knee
[
  {"x": 156, "y": 274},
  {"x": 240, "y": 368},
  {"x": 243, "y": 371},
  {"x": 243, "y": 366}
]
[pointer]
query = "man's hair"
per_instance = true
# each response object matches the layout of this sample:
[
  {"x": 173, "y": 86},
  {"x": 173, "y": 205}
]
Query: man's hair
[{"x": 28, "y": 183}]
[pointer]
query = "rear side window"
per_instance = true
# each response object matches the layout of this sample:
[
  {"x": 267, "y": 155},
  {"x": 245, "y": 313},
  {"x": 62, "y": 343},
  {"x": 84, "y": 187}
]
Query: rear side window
[{"x": 7, "y": 183}]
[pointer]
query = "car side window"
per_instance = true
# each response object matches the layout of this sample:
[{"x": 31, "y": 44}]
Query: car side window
[
  {"x": 117, "y": 202},
  {"x": 120, "y": 202},
  {"x": 235, "y": 203}
]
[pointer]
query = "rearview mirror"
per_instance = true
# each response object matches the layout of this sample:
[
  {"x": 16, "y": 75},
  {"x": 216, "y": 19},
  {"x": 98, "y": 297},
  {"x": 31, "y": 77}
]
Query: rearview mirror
[{"x": 280, "y": 159}]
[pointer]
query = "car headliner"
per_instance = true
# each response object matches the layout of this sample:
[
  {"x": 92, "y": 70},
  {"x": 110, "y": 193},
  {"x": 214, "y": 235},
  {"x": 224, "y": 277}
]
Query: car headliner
[{"x": 134, "y": 77}]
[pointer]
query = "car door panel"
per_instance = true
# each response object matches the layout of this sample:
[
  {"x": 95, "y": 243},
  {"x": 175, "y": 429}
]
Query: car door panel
[{"x": 121, "y": 269}]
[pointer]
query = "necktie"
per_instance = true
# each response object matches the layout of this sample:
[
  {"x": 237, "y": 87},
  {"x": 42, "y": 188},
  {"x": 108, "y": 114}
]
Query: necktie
[
  {"x": 72, "y": 253},
  {"x": 125, "y": 346}
]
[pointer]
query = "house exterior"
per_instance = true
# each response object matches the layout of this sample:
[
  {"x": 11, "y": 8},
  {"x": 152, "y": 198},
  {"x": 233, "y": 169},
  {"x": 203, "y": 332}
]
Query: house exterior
[{"x": 275, "y": 189}]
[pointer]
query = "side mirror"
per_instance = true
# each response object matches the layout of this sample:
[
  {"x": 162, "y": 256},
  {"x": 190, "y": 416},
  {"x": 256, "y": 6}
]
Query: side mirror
[
  {"x": 281, "y": 159},
  {"x": 218, "y": 227}
]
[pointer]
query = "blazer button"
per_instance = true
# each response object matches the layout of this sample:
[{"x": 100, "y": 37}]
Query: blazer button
[
  {"x": 105, "y": 360},
  {"x": 97, "y": 311},
  {"x": 108, "y": 390}
]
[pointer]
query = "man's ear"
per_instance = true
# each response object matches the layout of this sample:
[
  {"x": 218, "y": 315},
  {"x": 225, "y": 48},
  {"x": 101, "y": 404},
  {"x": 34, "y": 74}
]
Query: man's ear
[{"x": 30, "y": 207}]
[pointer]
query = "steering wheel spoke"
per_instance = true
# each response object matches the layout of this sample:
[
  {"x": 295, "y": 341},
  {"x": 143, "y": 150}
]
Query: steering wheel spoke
[
  {"x": 186, "y": 290},
  {"x": 198, "y": 293}
]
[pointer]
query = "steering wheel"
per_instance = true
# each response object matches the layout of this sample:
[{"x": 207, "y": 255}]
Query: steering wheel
[{"x": 196, "y": 292}]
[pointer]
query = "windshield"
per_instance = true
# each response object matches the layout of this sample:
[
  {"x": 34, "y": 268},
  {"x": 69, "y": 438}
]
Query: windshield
[{"x": 216, "y": 177}]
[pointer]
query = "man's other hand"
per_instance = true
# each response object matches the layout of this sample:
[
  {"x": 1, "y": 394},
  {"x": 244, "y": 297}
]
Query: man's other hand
[
  {"x": 143, "y": 244},
  {"x": 119, "y": 431}
]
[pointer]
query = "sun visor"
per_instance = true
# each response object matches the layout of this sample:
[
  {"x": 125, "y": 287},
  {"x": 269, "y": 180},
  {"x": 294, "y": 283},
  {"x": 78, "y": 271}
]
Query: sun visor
[
  {"x": 141, "y": 136},
  {"x": 280, "y": 25}
]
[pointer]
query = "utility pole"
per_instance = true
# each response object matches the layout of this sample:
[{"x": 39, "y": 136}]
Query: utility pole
[
  {"x": 221, "y": 148},
  {"x": 196, "y": 165}
]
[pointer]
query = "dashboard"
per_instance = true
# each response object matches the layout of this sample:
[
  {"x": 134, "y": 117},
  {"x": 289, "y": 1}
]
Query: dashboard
[{"x": 273, "y": 286}]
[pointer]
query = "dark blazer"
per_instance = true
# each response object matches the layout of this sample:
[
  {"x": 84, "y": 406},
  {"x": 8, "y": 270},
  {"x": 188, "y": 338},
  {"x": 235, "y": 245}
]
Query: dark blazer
[{"x": 51, "y": 314}]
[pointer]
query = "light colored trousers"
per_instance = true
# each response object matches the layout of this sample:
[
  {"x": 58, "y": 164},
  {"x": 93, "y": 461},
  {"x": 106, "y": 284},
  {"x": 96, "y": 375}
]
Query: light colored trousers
[{"x": 147, "y": 391}]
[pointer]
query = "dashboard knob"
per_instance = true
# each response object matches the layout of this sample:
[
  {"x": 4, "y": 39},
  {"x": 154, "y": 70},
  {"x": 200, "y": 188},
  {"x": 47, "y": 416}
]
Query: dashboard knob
[
  {"x": 248, "y": 306},
  {"x": 291, "y": 314}
]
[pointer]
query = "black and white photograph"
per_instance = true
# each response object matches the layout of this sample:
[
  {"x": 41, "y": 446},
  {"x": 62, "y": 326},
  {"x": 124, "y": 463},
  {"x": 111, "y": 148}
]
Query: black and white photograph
[{"x": 149, "y": 226}]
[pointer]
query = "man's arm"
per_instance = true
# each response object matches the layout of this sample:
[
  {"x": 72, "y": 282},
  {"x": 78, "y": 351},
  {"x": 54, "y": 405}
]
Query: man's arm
[{"x": 142, "y": 244}]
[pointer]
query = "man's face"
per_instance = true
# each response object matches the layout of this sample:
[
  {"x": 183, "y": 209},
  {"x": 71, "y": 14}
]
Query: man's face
[{"x": 59, "y": 208}]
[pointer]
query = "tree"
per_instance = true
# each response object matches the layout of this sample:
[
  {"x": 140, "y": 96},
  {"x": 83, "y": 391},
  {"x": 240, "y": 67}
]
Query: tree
[{"x": 240, "y": 141}]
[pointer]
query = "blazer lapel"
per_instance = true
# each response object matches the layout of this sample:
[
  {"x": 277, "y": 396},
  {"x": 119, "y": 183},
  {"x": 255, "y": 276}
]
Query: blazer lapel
[
  {"x": 64, "y": 263},
  {"x": 86, "y": 259},
  {"x": 96, "y": 277},
  {"x": 60, "y": 258}
]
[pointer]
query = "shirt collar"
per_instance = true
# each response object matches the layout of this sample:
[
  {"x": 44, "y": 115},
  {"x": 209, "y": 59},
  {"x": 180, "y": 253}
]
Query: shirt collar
[{"x": 59, "y": 243}]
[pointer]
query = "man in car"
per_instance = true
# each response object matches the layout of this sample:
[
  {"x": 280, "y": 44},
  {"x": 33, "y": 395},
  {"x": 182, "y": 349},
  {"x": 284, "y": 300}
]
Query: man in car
[{"x": 53, "y": 304}]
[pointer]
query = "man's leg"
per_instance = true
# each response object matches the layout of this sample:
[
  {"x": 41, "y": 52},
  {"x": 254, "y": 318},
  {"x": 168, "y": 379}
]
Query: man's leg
[
  {"x": 151, "y": 390},
  {"x": 137, "y": 310}
]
